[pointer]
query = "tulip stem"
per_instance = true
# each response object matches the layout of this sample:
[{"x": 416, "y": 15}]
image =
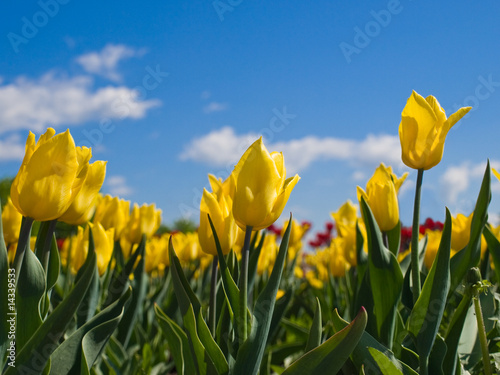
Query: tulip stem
[
  {"x": 213, "y": 294},
  {"x": 45, "y": 256},
  {"x": 415, "y": 264},
  {"x": 22, "y": 244},
  {"x": 482, "y": 336},
  {"x": 244, "y": 283}
]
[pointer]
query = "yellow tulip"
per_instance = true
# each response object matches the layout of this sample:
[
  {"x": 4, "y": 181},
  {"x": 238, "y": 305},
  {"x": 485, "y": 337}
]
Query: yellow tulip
[
  {"x": 51, "y": 175},
  {"x": 347, "y": 214},
  {"x": 11, "y": 222},
  {"x": 460, "y": 233},
  {"x": 112, "y": 213},
  {"x": 143, "y": 220},
  {"x": 337, "y": 262},
  {"x": 423, "y": 131},
  {"x": 382, "y": 198},
  {"x": 433, "y": 241},
  {"x": 83, "y": 206},
  {"x": 79, "y": 248},
  {"x": 261, "y": 187},
  {"x": 219, "y": 206}
]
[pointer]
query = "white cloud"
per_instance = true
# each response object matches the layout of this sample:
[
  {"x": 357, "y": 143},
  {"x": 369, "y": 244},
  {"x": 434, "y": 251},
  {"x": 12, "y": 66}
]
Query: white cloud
[
  {"x": 223, "y": 147},
  {"x": 117, "y": 186},
  {"x": 456, "y": 181},
  {"x": 55, "y": 100},
  {"x": 11, "y": 148},
  {"x": 105, "y": 62},
  {"x": 215, "y": 107}
]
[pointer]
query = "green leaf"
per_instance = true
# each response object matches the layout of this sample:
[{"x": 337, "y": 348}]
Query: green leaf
[
  {"x": 231, "y": 290},
  {"x": 330, "y": 356},
  {"x": 178, "y": 343},
  {"x": 361, "y": 356},
  {"x": 314, "y": 339},
  {"x": 185, "y": 295},
  {"x": 469, "y": 257},
  {"x": 251, "y": 351},
  {"x": 127, "y": 323},
  {"x": 254, "y": 260},
  {"x": 385, "y": 365},
  {"x": 494, "y": 248},
  {"x": 30, "y": 290},
  {"x": 438, "y": 353},
  {"x": 203, "y": 360},
  {"x": 120, "y": 280},
  {"x": 427, "y": 313},
  {"x": 279, "y": 311},
  {"x": 83, "y": 346},
  {"x": 211, "y": 346},
  {"x": 35, "y": 354},
  {"x": 385, "y": 279},
  {"x": 454, "y": 332},
  {"x": 394, "y": 239}
]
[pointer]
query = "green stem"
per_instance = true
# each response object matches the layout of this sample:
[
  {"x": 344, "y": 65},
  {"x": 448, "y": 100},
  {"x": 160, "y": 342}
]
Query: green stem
[
  {"x": 47, "y": 245},
  {"x": 415, "y": 269},
  {"x": 22, "y": 244},
  {"x": 482, "y": 336},
  {"x": 213, "y": 295},
  {"x": 244, "y": 284}
]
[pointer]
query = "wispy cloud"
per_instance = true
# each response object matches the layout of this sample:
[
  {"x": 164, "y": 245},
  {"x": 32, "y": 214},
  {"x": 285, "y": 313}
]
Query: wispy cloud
[
  {"x": 105, "y": 62},
  {"x": 117, "y": 186},
  {"x": 223, "y": 147},
  {"x": 215, "y": 107},
  {"x": 54, "y": 100},
  {"x": 456, "y": 184}
]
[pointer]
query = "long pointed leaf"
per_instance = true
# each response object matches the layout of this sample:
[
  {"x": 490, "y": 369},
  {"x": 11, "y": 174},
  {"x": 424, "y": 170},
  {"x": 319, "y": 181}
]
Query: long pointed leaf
[
  {"x": 314, "y": 339},
  {"x": 469, "y": 257},
  {"x": 385, "y": 279},
  {"x": 67, "y": 357},
  {"x": 426, "y": 315},
  {"x": 178, "y": 343},
  {"x": 34, "y": 355},
  {"x": 331, "y": 355}
]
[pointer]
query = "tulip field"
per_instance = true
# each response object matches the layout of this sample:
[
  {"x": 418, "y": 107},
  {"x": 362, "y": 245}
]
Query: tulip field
[{"x": 244, "y": 294}]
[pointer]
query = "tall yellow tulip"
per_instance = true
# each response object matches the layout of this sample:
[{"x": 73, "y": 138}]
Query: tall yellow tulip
[
  {"x": 11, "y": 223},
  {"x": 381, "y": 196},
  {"x": 261, "y": 187},
  {"x": 83, "y": 206},
  {"x": 423, "y": 130},
  {"x": 51, "y": 175}
]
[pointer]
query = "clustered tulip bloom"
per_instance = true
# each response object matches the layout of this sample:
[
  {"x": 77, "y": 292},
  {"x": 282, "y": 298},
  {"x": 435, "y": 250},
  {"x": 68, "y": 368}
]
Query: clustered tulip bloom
[
  {"x": 11, "y": 223},
  {"x": 218, "y": 205},
  {"x": 143, "y": 220},
  {"x": 423, "y": 130},
  {"x": 261, "y": 187},
  {"x": 381, "y": 196},
  {"x": 53, "y": 173},
  {"x": 113, "y": 212}
]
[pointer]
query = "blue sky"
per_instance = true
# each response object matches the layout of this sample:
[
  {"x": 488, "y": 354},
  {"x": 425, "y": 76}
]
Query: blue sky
[{"x": 168, "y": 92}]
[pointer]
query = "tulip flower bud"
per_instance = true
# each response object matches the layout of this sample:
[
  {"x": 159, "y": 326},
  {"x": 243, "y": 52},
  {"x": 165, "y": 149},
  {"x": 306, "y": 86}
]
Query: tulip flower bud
[
  {"x": 51, "y": 175},
  {"x": 423, "y": 130},
  {"x": 261, "y": 187},
  {"x": 11, "y": 222}
]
